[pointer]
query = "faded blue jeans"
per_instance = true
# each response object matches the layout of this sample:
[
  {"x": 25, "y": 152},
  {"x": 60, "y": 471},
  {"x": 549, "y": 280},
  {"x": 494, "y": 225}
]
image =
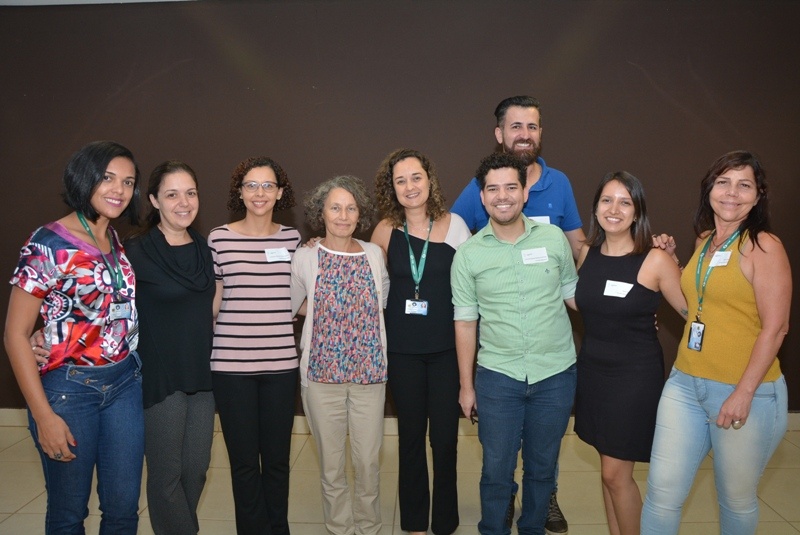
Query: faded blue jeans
[
  {"x": 513, "y": 414},
  {"x": 686, "y": 431},
  {"x": 102, "y": 405}
]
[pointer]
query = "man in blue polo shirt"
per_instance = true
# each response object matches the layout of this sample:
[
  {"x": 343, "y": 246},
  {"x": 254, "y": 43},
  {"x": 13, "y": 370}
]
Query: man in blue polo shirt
[
  {"x": 550, "y": 197},
  {"x": 515, "y": 276}
]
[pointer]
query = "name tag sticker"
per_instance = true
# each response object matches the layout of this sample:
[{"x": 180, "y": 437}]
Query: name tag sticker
[
  {"x": 720, "y": 258},
  {"x": 537, "y": 255},
  {"x": 617, "y": 288},
  {"x": 278, "y": 255},
  {"x": 540, "y": 219}
]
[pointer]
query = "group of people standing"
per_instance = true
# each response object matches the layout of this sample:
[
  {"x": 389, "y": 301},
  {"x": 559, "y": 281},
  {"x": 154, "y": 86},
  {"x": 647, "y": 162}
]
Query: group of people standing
[
  {"x": 511, "y": 283},
  {"x": 137, "y": 336}
]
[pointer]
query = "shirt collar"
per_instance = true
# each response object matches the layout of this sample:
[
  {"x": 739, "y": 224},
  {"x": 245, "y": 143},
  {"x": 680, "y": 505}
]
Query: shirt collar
[
  {"x": 488, "y": 230},
  {"x": 544, "y": 180}
]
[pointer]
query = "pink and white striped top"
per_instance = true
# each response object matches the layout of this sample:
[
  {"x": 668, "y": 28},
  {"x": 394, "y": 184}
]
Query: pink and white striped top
[{"x": 254, "y": 332}]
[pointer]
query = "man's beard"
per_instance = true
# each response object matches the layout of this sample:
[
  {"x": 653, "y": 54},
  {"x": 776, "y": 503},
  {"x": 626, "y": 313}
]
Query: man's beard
[{"x": 527, "y": 156}]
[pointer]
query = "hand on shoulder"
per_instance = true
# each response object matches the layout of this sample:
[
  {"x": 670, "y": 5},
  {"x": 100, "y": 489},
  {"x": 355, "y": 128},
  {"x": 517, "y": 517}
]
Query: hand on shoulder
[{"x": 311, "y": 242}]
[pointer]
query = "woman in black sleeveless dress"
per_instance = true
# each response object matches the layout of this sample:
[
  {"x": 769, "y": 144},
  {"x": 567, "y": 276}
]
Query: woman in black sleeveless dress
[
  {"x": 620, "y": 364},
  {"x": 423, "y": 368}
]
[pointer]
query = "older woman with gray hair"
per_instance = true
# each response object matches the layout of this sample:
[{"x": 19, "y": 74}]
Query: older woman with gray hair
[{"x": 344, "y": 284}]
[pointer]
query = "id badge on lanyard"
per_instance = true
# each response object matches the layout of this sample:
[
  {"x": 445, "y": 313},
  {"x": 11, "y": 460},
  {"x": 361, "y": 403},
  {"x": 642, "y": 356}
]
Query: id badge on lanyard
[
  {"x": 697, "y": 329},
  {"x": 417, "y": 306}
]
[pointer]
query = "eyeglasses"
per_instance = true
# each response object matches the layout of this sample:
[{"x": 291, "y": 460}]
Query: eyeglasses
[{"x": 252, "y": 187}]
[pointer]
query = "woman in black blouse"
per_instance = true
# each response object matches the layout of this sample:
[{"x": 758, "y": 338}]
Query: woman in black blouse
[{"x": 175, "y": 282}]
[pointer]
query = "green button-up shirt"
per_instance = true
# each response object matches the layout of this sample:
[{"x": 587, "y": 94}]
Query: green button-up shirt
[{"x": 518, "y": 291}]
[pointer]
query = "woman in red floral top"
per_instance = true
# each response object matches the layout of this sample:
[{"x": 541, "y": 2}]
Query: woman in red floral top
[{"x": 85, "y": 403}]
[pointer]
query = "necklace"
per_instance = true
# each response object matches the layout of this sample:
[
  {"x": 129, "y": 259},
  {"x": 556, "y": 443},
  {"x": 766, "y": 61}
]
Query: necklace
[
  {"x": 714, "y": 245},
  {"x": 426, "y": 228}
]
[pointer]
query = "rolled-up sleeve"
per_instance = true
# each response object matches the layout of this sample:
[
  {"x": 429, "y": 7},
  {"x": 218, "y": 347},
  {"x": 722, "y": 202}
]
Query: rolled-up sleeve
[
  {"x": 569, "y": 275},
  {"x": 462, "y": 282}
]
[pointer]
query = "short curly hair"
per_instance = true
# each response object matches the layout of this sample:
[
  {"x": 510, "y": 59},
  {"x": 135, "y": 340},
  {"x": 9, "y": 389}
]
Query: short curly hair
[
  {"x": 235, "y": 202},
  {"x": 501, "y": 160},
  {"x": 388, "y": 203},
  {"x": 315, "y": 201}
]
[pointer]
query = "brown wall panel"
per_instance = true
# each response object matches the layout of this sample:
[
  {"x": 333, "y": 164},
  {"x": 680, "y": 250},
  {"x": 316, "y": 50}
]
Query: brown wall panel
[{"x": 659, "y": 89}]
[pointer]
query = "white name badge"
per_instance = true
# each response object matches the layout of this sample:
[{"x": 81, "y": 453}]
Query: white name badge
[
  {"x": 617, "y": 288},
  {"x": 537, "y": 255},
  {"x": 540, "y": 218},
  {"x": 278, "y": 255},
  {"x": 720, "y": 258}
]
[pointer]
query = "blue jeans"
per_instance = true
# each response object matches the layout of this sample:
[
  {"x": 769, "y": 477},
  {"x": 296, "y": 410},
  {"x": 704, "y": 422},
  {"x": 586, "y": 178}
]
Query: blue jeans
[
  {"x": 102, "y": 405},
  {"x": 686, "y": 431},
  {"x": 513, "y": 414}
]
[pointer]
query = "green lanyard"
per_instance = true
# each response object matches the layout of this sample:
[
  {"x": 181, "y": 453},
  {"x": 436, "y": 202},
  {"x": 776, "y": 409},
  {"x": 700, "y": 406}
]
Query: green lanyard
[
  {"x": 701, "y": 290},
  {"x": 416, "y": 272},
  {"x": 116, "y": 271}
]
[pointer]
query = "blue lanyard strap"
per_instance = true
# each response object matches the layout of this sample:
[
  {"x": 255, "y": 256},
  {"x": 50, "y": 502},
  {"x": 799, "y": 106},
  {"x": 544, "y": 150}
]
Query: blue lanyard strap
[
  {"x": 416, "y": 272},
  {"x": 701, "y": 289},
  {"x": 116, "y": 271}
]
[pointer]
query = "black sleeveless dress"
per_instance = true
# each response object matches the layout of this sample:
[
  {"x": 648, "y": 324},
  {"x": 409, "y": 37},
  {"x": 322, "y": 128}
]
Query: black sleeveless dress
[
  {"x": 412, "y": 334},
  {"x": 620, "y": 365}
]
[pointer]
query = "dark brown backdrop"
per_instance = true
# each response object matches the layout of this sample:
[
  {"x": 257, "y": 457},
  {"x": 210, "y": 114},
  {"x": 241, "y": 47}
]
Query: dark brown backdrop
[{"x": 659, "y": 89}]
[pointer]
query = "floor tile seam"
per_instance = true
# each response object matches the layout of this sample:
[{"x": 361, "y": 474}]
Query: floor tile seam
[
  {"x": 17, "y": 443},
  {"x": 26, "y": 504},
  {"x": 764, "y": 503}
]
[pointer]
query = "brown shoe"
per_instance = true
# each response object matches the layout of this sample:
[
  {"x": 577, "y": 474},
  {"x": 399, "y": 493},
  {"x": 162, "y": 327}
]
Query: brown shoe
[{"x": 555, "y": 524}]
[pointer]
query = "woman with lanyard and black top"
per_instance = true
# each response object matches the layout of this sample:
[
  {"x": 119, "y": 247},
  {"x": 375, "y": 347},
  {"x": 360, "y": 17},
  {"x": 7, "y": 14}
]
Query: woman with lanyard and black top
[
  {"x": 85, "y": 402},
  {"x": 420, "y": 238},
  {"x": 726, "y": 391}
]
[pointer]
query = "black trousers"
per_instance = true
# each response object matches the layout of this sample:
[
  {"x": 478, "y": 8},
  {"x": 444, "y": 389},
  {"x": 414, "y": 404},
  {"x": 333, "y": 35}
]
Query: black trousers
[
  {"x": 257, "y": 413},
  {"x": 425, "y": 390}
]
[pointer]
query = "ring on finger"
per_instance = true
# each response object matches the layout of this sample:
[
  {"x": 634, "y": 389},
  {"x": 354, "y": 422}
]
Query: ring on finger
[
  {"x": 57, "y": 456},
  {"x": 737, "y": 424}
]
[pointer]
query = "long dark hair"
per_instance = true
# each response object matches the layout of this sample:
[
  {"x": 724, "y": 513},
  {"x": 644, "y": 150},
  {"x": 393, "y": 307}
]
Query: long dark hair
[
  {"x": 757, "y": 220},
  {"x": 640, "y": 228}
]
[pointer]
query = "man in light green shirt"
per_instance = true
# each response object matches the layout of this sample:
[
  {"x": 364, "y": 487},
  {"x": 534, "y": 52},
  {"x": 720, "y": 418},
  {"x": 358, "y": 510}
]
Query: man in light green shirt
[{"x": 515, "y": 275}]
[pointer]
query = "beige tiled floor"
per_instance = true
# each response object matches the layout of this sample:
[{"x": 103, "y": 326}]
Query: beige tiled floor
[{"x": 22, "y": 498}]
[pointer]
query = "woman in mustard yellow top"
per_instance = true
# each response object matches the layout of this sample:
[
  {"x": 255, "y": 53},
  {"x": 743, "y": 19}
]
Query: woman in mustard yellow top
[{"x": 726, "y": 391}]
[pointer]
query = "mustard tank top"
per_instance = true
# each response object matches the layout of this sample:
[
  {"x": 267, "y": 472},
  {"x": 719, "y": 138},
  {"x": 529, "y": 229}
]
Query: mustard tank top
[{"x": 731, "y": 321}]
